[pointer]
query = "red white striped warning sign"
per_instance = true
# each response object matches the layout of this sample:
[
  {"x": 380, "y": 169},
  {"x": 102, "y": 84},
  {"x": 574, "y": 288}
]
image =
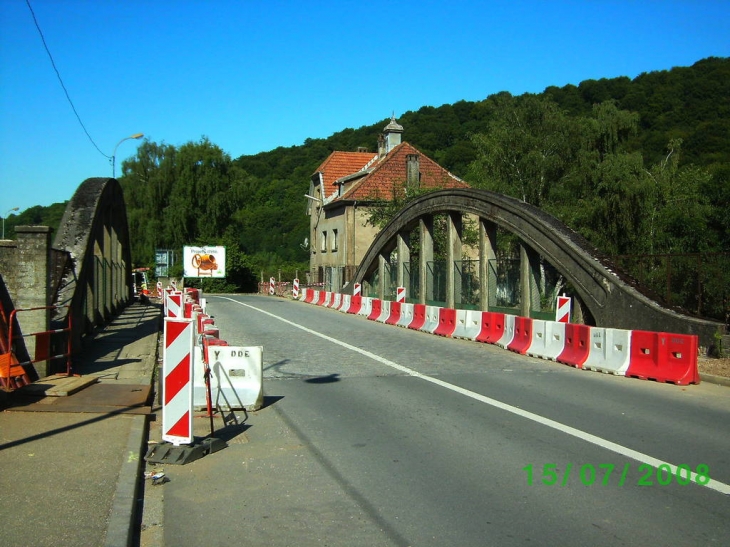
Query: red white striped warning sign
[
  {"x": 177, "y": 385},
  {"x": 562, "y": 312},
  {"x": 174, "y": 305}
]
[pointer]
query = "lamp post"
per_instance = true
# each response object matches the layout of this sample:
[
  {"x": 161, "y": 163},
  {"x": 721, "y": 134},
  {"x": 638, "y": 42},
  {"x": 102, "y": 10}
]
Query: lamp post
[
  {"x": 114, "y": 155},
  {"x": 6, "y": 214}
]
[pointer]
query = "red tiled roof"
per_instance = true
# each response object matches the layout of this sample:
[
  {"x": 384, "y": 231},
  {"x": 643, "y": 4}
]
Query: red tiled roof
[
  {"x": 341, "y": 164},
  {"x": 390, "y": 171}
]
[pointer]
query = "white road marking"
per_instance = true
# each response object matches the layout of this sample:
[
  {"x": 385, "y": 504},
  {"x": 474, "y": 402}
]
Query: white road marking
[{"x": 588, "y": 437}]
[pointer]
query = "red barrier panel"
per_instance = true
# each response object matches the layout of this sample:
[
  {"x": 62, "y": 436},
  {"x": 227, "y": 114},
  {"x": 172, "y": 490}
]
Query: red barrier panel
[
  {"x": 419, "y": 316},
  {"x": 355, "y": 304},
  {"x": 523, "y": 335},
  {"x": 309, "y": 296},
  {"x": 201, "y": 317},
  {"x": 447, "y": 322},
  {"x": 664, "y": 357},
  {"x": 193, "y": 293},
  {"x": 322, "y": 297},
  {"x": 376, "y": 309},
  {"x": 394, "y": 316},
  {"x": 577, "y": 345},
  {"x": 492, "y": 327}
]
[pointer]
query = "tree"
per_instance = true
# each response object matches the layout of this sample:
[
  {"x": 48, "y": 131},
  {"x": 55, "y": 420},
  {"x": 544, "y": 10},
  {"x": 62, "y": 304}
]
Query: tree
[{"x": 526, "y": 151}]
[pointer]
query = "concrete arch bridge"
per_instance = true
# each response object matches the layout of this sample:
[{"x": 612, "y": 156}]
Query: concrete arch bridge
[
  {"x": 85, "y": 273},
  {"x": 603, "y": 296}
]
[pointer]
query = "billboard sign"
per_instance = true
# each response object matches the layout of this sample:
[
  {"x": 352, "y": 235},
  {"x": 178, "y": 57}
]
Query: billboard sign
[{"x": 204, "y": 261}]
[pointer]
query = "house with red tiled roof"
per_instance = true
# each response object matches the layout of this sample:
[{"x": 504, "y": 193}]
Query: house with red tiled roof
[{"x": 344, "y": 189}]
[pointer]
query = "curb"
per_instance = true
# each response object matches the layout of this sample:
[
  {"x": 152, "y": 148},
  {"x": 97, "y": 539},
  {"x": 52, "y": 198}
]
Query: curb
[
  {"x": 123, "y": 516},
  {"x": 714, "y": 379},
  {"x": 126, "y": 511}
]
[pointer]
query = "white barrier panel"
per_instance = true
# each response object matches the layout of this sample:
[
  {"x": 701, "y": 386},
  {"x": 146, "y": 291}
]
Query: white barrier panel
[
  {"x": 336, "y": 301},
  {"x": 610, "y": 351},
  {"x": 303, "y": 297},
  {"x": 509, "y": 331},
  {"x": 468, "y": 324},
  {"x": 366, "y": 307},
  {"x": 177, "y": 386},
  {"x": 384, "y": 311},
  {"x": 236, "y": 379},
  {"x": 548, "y": 339},
  {"x": 346, "y": 298},
  {"x": 432, "y": 319},
  {"x": 406, "y": 315},
  {"x": 327, "y": 299}
]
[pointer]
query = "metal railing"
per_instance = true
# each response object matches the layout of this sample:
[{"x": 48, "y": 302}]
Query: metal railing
[{"x": 10, "y": 376}]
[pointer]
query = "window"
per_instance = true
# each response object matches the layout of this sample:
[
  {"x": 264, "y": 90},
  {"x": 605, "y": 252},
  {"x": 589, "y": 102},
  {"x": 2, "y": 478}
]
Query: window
[
  {"x": 323, "y": 241},
  {"x": 334, "y": 241}
]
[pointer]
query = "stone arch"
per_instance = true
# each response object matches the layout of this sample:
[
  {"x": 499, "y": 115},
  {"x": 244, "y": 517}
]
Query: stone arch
[{"x": 611, "y": 297}]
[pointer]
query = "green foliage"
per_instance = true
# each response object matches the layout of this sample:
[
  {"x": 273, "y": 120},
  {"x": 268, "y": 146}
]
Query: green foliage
[
  {"x": 36, "y": 216},
  {"x": 595, "y": 155}
]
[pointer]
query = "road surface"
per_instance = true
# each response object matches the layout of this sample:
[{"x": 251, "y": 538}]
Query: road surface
[{"x": 377, "y": 435}]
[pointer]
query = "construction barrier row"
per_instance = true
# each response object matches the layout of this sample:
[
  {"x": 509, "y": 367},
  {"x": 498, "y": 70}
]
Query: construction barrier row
[
  {"x": 660, "y": 356},
  {"x": 199, "y": 369}
]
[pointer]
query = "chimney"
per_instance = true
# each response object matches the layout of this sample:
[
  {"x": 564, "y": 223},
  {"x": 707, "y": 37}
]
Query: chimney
[{"x": 413, "y": 171}]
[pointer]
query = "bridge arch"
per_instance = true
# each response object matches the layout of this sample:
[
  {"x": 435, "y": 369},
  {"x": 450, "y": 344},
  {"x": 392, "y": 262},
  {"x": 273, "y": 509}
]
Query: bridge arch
[
  {"x": 611, "y": 297},
  {"x": 95, "y": 277}
]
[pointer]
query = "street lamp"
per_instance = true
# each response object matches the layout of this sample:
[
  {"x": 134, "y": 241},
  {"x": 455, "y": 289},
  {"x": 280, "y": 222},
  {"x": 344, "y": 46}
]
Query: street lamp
[
  {"x": 114, "y": 155},
  {"x": 6, "y": 214}
]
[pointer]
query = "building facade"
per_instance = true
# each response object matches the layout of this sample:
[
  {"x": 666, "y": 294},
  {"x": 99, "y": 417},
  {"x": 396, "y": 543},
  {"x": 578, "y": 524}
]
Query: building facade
[{"x": 345, "y": 188}]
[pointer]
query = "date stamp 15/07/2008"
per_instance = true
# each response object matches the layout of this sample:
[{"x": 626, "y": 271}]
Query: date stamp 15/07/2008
[{"x": 603, "y": 474}]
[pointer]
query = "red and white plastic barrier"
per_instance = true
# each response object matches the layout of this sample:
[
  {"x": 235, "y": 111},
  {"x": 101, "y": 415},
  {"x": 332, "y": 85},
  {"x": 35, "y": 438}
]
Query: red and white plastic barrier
[
  {"x": 406, "y": 315},
  {"x": 663, "y": 357},
  {"x": 508, "y": 333},
  {"x": 468, "y": 324}
]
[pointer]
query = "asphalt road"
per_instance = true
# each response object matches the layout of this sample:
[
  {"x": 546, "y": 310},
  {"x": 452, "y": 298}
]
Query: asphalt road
[{"x": 378, "y": 435}]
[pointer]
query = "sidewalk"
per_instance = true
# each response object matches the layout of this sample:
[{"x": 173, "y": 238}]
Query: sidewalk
[{"x": 72, "y": 464}]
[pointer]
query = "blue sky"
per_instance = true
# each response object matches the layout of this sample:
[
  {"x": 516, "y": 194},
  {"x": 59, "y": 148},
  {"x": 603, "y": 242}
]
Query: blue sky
[{"x": 253, "y": 76}]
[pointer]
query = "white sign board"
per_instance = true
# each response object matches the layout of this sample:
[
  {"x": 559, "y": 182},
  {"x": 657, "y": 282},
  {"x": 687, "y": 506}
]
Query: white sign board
[{"x": 204, "y": 261}]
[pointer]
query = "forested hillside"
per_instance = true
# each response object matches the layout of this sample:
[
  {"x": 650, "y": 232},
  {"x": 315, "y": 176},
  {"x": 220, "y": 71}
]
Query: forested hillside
[{"x": 637, "y": 166}]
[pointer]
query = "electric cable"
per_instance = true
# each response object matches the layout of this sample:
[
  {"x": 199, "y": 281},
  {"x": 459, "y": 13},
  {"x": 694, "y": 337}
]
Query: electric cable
[{"x": 58, "y": 74}]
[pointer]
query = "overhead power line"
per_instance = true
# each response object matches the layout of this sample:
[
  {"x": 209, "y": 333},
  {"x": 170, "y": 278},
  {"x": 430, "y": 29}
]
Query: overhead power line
[{"x": 61, "y": 80}]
